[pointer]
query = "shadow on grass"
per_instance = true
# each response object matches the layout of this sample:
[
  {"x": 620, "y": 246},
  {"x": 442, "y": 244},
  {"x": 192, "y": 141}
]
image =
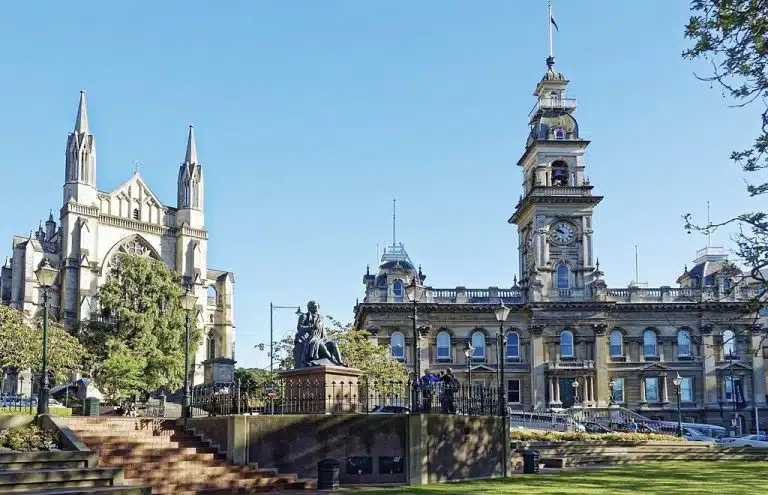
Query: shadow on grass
[{"x": 726, "y": 478}]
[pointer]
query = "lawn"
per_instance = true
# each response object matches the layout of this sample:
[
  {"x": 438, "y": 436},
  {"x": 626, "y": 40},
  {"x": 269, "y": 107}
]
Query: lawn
[{"x": 720, "y": 478}]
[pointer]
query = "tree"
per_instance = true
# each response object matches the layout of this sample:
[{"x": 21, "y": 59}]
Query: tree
[
  {"x": 138, "y": 345},
  {"x": 253, "y": 380},
  {"x": 732, "y": 35},
  {"x": 21, "y": 344}
]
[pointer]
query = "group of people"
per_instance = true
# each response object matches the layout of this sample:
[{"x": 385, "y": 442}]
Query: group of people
[{"x": 444, "y": 386}]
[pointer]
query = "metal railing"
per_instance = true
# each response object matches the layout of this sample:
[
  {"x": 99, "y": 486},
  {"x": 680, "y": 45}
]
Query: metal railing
[
  {"x": 18, "y": 404},
  {"x": 344, "y": 397}
]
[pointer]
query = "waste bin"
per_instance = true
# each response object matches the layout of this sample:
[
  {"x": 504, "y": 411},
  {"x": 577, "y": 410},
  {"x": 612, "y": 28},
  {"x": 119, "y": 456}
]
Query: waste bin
[
  {"x": 530, "y": 462},
  {"x": 91, "y": 407},
  {"x": 328, "y": 474}
]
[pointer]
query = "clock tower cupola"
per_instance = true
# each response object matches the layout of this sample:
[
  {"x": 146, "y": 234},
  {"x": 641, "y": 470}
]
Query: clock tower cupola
[{"x": 554, "y": 214}]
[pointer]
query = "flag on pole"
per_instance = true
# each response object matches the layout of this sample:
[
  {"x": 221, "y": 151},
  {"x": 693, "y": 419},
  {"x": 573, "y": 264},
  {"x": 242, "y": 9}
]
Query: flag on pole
[{"x": 552, "y": 20}]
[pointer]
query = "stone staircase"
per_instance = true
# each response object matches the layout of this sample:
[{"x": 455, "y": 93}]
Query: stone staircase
[
  {"x": 158, "y": 452},
  {"x": 61, "y": 472},
  {"x": 573, "y": 454}
]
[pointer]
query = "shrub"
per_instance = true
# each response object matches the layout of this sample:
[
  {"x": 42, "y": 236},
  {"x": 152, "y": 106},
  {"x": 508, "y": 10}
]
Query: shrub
[
  {"x": 578, "y": 436},
  {"x": 28, "y": 438}
]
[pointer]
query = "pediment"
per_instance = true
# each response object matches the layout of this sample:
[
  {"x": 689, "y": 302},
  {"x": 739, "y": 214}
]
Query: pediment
[
  {"x": 738, "y": 366},
  {"x": 136, "y": 189},
  {"x": 655, "y": 368},
  {"x": 483, "y": 367}
]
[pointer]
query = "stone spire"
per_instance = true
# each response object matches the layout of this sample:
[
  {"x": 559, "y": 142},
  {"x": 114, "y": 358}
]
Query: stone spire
[
  {"x": 191, "y": 156},
  {"x": 81, "y": 122}
]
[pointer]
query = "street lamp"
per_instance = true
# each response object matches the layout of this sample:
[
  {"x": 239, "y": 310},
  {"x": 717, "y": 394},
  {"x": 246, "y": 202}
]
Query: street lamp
[
  {"x": 46, "y": 275},
  {"x": 612, "y": 387},
  {"x": 575, "y": 385},
  {"x": 678, "y": 381},
  {"x": 501, "y": 312},
  {"x": 188, "y": 302},
  {"x": 468, "y": 355},
  {"x": 415, "y": 291}
]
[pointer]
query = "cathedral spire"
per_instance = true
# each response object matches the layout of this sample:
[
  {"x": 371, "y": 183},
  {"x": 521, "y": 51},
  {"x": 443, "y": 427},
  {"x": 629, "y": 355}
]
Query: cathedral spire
[
  {"x": 191, "y": 156},
  {"x": 81, "y": 122}
]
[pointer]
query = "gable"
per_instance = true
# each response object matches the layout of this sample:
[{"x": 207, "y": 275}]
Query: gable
[{"x": 135, "y": 189}]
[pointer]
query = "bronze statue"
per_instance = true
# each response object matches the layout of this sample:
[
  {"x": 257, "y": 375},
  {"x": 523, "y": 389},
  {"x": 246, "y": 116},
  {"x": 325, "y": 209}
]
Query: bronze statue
[{"x": 311, "y": 346}]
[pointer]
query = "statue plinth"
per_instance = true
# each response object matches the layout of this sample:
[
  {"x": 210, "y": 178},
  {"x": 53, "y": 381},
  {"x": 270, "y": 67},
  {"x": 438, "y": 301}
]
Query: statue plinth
[{"x": 321, "y": 389}]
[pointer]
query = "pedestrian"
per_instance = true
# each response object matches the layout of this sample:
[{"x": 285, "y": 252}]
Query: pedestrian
[
  {"x": 450, "y": 387},
  {"x": 427, "y": 391}
]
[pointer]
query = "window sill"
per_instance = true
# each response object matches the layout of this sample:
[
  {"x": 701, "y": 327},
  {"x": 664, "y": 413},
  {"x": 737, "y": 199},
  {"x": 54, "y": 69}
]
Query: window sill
[
  {"x": 444, "y": 360},
  {"x": 514, "y": 360},
  {"x": 619, "y": 358},
  {"x": 687, "y": 357},
  {"x": 652, "y": 358}
]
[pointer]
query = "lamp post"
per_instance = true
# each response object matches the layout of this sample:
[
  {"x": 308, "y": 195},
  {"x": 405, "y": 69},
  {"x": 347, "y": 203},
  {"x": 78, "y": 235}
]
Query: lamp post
[
  {"x": 611, "y": 387},
  {"x": 415, "y": 291},
  {"x": 46, "y": 275},
  {"x": 188, "y": 302},
  {"x": 468, "y": 355},
  {"x": 575, "y": 385},
  {"x": 678, "y": 381},
  {"x": 501, "y": 312}
]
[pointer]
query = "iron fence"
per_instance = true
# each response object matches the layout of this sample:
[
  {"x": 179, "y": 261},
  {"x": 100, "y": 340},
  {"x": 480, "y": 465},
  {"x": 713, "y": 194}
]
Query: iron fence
[
  {"x": 19, "y": 404},
  {"x": 361, "y": 396}
]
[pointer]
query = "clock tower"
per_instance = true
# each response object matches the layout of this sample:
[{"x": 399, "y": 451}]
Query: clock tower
[{"x": 554, "y": 214}]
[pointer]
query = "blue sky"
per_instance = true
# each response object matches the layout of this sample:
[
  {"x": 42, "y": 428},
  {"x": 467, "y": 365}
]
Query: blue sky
[{"x": 311, "y": 116}]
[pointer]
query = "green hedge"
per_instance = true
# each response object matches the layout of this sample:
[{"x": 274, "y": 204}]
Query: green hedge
[
  {"x": 578, "y": 436},
  {"x": 54, "y": 410},
  {"x": 30, "y": 438}
]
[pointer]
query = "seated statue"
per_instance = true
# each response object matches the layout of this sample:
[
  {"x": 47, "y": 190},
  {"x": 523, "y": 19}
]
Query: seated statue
[{"x": 311, "y": 346}]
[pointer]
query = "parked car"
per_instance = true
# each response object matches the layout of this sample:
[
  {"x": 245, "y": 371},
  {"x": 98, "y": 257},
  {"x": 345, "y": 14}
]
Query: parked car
[
  {"x": 391, "y": 410},
  {"x": 745, "y": 441},
  {"x": 694, "y": 435},
  {"x": 595, "y": 428}
]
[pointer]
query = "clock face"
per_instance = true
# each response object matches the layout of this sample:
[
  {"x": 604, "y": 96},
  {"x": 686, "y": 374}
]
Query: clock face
[{"x": 563, "y": 232}]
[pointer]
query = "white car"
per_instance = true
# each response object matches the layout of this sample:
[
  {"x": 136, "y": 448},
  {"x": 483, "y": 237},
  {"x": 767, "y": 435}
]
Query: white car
[{"x": 745, "y": 441}]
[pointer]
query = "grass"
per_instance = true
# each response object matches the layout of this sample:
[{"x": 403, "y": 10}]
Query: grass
[
  {"x": 54, "y": 410},
  {"x": 687, "y": 478}
]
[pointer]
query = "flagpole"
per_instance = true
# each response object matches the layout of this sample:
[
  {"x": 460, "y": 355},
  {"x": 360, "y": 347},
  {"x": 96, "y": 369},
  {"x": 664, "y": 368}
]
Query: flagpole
[{"x": 549, "y": 25}]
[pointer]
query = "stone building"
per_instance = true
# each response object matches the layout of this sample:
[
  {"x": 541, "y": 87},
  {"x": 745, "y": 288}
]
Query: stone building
[
  {"x": 569, "y": 338},
  {"x": 94, "y": 225}
]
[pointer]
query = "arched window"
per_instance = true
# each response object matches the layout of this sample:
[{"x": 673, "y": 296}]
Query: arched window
[
  {"x": 397, "y": 342},
  {"x": 563, "y": 277},
  {"x": 566, "y": 344},
  {"x": 443, "y": 346},
  {"x": 559, "y": 134},
  {"x": 729, "y": 343},
  {"x": 617, "y": 344},
  {"x": 559, "y": 171},
  {"x": 211, "y": 293},
  {"x": 726, "y": 285},
  {"x": 397, "y": 290},
  {"x": 683, "y": 343},
  {"x": 210, "y": 351},
  {"x": 478, "y": 342},
  {"x": 650, "y": 348},
  {"x": 513, "y": 345}
]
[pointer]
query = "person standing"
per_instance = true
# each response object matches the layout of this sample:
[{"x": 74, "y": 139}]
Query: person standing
[{"x": 450, "y": 387}]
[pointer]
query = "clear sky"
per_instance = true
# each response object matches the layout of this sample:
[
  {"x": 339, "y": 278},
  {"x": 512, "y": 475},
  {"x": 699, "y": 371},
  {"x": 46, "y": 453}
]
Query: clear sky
[{"x": 311, "y": 116}]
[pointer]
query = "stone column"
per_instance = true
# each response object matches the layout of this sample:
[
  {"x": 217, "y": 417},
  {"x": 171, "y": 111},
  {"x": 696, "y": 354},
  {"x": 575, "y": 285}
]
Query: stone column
[
  {"x": 557, "y": 389},
  {"x": 592, "y": 389},
  {"x": 664, "y": 393},
  {"x": 538, "y": 367},
  {"x": 601, "y": 365},
  {"x": 642, "y": 390},
  {"x": 709, "y": 374},
  {"x": 551, "y": 389},
  {"x": 758, "y": 369}
]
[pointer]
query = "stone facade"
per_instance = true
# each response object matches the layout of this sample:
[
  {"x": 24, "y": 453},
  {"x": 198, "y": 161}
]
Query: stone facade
[
  {"x": 94, "y": 225},
  {"x": 566, "y": 327}
]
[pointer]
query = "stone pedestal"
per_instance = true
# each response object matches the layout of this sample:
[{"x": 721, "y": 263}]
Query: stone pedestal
[
  {"x": 219, "y": 370},
  {"x": 322, "y": 389}
]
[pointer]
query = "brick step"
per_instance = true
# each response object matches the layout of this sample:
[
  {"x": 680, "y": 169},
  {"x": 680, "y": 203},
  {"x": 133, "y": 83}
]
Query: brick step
[
  {"x": 36, "y": 479},
  {"x": 15, "y": 466},
  {"x": 102, "y": 490},
  {"x": 126, "y": 449}
]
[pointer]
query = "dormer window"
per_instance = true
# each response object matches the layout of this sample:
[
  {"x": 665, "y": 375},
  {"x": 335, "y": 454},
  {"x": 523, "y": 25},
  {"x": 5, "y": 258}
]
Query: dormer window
[
  {"x": 559, "y": 134},
  {"x": 397, "y": 290}
]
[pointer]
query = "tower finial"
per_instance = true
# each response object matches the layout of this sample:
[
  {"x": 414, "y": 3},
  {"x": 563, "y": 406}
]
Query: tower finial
[
  {"x": 551, "y": 22},
  {"x": 709, "y": 230},
  {"x": 81, "y": 122},
  {"x": 394, "y": 218},
  {"x": 191, "y": 156}
]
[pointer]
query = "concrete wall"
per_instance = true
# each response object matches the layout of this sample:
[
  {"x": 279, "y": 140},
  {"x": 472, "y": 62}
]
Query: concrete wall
[{"x": 296, "y": 443}]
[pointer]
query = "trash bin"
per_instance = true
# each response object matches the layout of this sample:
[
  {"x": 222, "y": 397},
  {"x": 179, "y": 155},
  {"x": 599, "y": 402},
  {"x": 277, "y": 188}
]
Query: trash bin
[
  {"x": 530, "y": 462},
  {"x": 328, "y": 474},
  {"x": 91, "y": 407}
]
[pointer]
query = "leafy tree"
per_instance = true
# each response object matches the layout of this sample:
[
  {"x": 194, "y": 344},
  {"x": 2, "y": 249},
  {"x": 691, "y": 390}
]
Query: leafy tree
[
  {"x": 732, "y": 35},
  {"x": 21, "y": 344},
  {"x": 254, "y": 379},
  {"x": 139, "y": 343}
]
